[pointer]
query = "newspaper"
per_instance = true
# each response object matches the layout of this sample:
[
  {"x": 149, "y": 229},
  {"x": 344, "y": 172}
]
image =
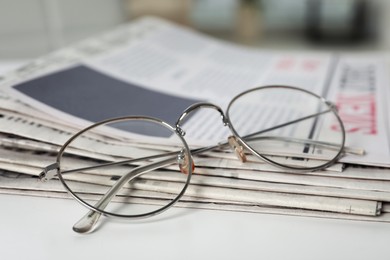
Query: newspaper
[
  {"x": 40, "y": 109},
  {"x": 269, "y": 186},
  {"x": 30, "y": 186},
  {"x": 319, "y": 179}
]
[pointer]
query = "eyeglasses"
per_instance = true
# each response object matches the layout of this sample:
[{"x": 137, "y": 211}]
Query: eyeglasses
[{"x": 285, "y": 126}]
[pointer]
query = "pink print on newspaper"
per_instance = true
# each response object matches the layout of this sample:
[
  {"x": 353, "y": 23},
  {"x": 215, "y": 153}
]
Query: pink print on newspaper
[{"x": 356, "y": 100}]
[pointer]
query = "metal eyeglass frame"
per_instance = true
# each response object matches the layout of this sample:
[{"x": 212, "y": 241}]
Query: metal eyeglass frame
[{"x": 88, "y": 222}]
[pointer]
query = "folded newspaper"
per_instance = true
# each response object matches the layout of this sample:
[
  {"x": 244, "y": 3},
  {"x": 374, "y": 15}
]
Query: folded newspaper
[{"x": 168, "y": 68}]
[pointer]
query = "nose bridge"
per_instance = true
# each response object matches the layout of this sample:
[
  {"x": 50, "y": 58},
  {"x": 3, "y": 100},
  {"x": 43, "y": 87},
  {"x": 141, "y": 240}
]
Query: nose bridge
[{"x": 197, "y": 106}]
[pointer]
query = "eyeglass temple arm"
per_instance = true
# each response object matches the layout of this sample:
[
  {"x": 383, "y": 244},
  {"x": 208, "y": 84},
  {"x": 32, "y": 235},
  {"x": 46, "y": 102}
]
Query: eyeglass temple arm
[
  {"x": 289, "y": 123},
  {"x": 350, "y": 150},
  {"x": 50, "y": 171},
  {"x": 88, "y": 222},
  {"x": 357, "y": 151}
]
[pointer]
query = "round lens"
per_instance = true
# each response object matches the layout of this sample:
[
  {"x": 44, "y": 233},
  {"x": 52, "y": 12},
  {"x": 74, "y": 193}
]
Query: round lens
[
  {"x": 287, "y": 126},
  {"x": 115, "y": 161}
]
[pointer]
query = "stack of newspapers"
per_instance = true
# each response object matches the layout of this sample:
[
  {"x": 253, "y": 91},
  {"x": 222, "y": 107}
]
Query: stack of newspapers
[{"x": 153, "y": 56}]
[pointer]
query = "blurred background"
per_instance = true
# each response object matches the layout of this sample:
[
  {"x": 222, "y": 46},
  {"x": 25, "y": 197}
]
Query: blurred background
[{"x": 34, "y": 27}]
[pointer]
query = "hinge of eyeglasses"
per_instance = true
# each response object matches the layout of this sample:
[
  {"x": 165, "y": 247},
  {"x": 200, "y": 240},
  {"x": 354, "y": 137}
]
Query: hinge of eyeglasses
[
  {"x": 331, "y": 105},
  {"x": 237, "y": 148},
  {"x": 48, "y": 172},
  {"x": 183, "y": 161},
  {"x": 180, "y": 130}
]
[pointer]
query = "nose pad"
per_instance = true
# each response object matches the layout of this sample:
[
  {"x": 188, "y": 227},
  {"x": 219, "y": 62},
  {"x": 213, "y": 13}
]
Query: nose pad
[
  {"x": 237, "y": 148},
  {"x": 184, "y": 161}
]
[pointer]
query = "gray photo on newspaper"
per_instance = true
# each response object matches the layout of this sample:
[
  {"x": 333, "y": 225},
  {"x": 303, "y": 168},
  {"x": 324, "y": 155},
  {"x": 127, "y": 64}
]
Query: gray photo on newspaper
[{"x": 91, "y": 95}]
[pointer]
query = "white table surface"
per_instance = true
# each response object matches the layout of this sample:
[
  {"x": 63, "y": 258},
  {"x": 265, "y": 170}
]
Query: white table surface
[{"x": 41, "y": 228}]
